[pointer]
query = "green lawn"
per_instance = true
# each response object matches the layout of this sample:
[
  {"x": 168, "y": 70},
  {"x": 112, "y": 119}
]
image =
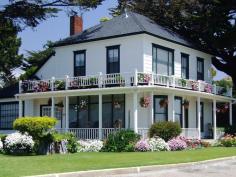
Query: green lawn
[{"x": 33, "y": 165}]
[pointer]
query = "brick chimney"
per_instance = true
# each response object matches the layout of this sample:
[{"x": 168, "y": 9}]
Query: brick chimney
[{"x": 76, "y": 24}]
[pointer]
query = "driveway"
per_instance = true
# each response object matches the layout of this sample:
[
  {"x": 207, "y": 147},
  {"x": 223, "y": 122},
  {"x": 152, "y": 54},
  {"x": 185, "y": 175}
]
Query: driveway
[{"x": 225, "y": 168}]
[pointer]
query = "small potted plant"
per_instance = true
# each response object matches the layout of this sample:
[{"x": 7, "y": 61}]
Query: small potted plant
[
  {"x": 74, "y": 84},
  {"x": 183, "y": 82},
  {"x": 208, "y": 88},
  {"x": 145, "y": 101},
  {"x": 163, "y": 102},
  {"x": 143, "y": 79},
  {"x": 186, "y": 104},
  {"x": 195, "y": 85},
  {"x": 59, "y": 85},
  {"x": 93, "y": 82},
  {"x": 119, "y": 80}
]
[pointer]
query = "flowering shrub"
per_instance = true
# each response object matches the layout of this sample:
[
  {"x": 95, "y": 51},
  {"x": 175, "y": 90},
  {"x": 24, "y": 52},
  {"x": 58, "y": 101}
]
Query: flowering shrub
[
  {"x": 195, "y": 85},
  {"x": 145, "y": 101},
  {"x": 158, "y": 144},
  {"x": 144, "y": 78},
  {"x": 208, "y": 88},
  {"x": 228, "y": 141},
  {"x": 1, "y": 146},
  {"x": 17, "y": 143},
  {"x": 177, "y": 144},
  {"x": 193, "y": 143},
  {"x": 90, "y": 145},
  {"x": 142, "y": 145}
]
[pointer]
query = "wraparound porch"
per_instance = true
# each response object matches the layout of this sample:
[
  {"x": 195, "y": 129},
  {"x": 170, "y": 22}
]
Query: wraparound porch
[{"x": 195, "y": 122}]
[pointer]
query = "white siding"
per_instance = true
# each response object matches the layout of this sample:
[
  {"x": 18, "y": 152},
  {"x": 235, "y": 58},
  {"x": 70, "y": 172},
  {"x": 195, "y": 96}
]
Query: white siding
[
  {"x": 131, "y": 57},
  {"x": 193, "y": 54}
]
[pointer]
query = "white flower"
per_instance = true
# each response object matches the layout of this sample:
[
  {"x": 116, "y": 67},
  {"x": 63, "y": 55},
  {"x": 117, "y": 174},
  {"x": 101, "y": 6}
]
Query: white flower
[
  {"x": 158, "y": 144},
  {"x": 17, "y": 141},
  {"x": 90, "y": 145},
  {"x": 1, "y": 146}
]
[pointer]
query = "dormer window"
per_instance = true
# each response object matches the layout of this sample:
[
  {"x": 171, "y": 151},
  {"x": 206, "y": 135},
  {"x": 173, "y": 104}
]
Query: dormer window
[
  {"x": 113, "y": 59},
  {"x": 80, "y": 63},
  {"x": 162, "y": 60}
]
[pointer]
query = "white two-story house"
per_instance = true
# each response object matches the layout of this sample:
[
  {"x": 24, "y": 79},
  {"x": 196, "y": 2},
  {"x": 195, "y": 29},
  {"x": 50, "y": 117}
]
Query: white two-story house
[{"x": 128, "y": 72}]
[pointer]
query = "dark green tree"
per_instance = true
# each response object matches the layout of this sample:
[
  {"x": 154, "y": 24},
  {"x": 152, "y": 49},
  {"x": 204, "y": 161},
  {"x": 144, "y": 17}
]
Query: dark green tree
[
  {"x": 15, "y": 16},
  {"x": 209, "y": 24}
]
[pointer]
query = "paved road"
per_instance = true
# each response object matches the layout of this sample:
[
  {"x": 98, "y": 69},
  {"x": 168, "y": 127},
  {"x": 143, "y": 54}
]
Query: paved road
[{"x": 225, "y": 168}]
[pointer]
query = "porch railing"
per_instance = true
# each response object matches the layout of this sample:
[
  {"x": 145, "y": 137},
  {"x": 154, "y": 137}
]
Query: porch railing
[
  {"x": 93, "y": 133},
  {"x": 190, "y": 133},
  {"x": 120, "y": 80}
]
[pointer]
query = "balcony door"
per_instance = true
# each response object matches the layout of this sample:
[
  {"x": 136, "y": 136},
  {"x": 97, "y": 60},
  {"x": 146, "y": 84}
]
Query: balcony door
[{"x": 113, "y": 59}]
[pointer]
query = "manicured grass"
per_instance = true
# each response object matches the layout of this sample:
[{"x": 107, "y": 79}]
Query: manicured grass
[{"x": 34, "y": 165}]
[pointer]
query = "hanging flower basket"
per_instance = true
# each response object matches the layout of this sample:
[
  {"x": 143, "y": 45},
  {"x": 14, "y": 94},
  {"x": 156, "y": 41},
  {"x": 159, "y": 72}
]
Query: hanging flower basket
[
  {"x": 49, "y": 101},
  {"x": 83, "y": 104},
  {"x": 222, "y": 108},
  {"x": 163, "y": 103},
  {"x": 116, "y": 105},
  {"x": 145, "y": 101},
  {"x": 186, "y": 104},
  {"x": 208, "y": 88},
  {"x": 60, "y": 106}
]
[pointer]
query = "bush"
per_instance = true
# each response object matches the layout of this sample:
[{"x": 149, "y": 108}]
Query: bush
[
  {"x": 177, "y": 144},
  {"x": 37, "y": 127},
  {"x": 90, "y": 145},
  {"x": 17, "y": 143},
  {"x": 142, "y": 146},
  {"x": 158, "y": 144},
  {"x": 228, "y": 141},
  {"x": 165, "y": 130},
  {"x": 230, "y": 130},
  {"x": 72, "y": 145},
  {"x": 121, "y": 141}
]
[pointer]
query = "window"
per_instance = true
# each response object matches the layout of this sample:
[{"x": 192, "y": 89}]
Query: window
[
  {"x": 200, "y": 69},
  {"x": 178, "y": 110},
  {"x": 160, "y": 112},
  {"x": 184, "y": 66},
  {"x": 113, "y": 59},
  {"x": 162, "y": 60},
  {"x": 80, "y": 63},
  {"x": 8, "y": 113}
]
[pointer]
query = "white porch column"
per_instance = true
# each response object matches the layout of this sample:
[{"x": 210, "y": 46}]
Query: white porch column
[
  {"x": 199, "y": 117},
  {"x": 53, "y": 107},
  {"x": 173, "y": 107},
  {"x": 67, "y": 112},
  {"x": 230, "y": 113},
  {"x": 100, "y": 115},
  {"x": 214, "y": 119},
  {"x": 151, "y": 109},
  {"x": 135, "y": 107},
  {"x": 20, "y": 108},
  {"x": 183, "y": 116}
]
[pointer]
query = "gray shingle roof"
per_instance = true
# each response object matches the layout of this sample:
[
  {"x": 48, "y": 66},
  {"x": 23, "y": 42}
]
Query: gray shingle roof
[{"x": 122, "y": 25}]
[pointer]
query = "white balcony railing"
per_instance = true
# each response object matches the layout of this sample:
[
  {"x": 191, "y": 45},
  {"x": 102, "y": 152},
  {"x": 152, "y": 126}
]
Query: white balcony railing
[{"x": 120, "y": 80}]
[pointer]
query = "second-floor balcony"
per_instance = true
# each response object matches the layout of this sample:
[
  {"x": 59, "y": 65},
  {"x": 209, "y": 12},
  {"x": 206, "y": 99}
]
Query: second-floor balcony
[{"x": 128, "y": 79}]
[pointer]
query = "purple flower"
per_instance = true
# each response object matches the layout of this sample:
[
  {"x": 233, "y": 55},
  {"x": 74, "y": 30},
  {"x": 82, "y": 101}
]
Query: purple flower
[
  {"x": 142, "y": 145},
  {"x": 178, "y": 143}
]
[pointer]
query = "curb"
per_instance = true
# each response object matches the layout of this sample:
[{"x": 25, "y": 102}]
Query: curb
[{"x": 138, "y": 169}]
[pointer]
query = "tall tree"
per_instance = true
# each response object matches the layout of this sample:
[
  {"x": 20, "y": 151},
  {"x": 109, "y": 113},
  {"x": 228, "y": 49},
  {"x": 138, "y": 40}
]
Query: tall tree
[
  {"x": 16, "y": 15},
  {"x": 209, "y": 24}
]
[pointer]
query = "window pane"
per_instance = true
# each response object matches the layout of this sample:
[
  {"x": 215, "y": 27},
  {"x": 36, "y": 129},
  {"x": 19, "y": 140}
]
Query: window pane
[
  {"x": 8, "y": 114},
  {"x": 113, "y": 60},
  {"x": 160, "y": 113},
  {"x": 162, "y": 61}
]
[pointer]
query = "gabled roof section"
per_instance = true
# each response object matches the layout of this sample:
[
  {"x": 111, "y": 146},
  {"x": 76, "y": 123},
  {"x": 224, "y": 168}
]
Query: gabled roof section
[{"x": 123, "y": 25}]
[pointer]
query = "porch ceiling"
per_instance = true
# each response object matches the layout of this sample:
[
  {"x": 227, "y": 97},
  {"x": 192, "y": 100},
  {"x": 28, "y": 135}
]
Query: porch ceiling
[{"x": 122, "y": 90}]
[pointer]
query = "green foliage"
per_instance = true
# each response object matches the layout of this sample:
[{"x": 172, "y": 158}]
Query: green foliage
[
  {"x": 213, "y": 72},
  {"x": 228, "y": 141},
  {"x": 231, "y": 129},
  {"x": 37, "y": 127},
  {"x": 121, "y": 141},
  {"x": 195, "y": 20},
  {"x": 165, "y": 130},
  {"x": 226, "y": 82},
  {"x": 104, "y": 19},
  {"x": 72, "y": 145}
]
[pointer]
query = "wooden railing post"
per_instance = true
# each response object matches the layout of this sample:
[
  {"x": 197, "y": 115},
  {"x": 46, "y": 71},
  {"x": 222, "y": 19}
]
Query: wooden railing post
[
  {"x": 20, "y": 83},
  {"x": 214, "y": 89},
  {"x": 52, "y": 83},
  {"x": 67, "y": 82},
  {"x": 100, "y": 80}
]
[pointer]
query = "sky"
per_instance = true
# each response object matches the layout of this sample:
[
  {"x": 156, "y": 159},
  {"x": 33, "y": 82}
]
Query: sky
[{"x": 57, "y": 28}]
